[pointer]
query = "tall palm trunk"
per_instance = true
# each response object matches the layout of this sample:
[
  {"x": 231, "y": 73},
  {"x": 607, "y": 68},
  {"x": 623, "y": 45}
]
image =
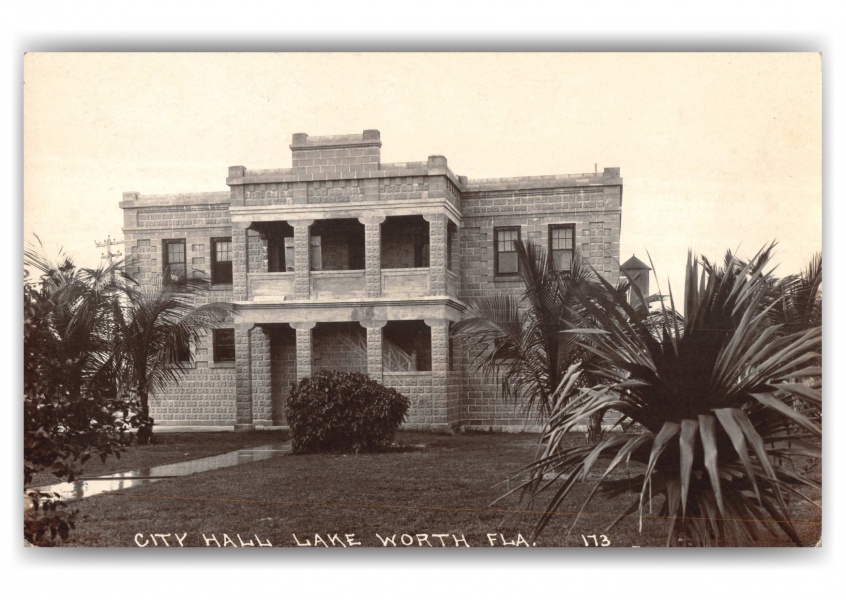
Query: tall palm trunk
[{"x": 145, "y": 426}]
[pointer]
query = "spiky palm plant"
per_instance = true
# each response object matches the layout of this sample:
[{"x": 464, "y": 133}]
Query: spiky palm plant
[
  {"x": 722, "y": 444},
  {"x": 521, "y": 340},
  {"x": 154, "y": 327}
]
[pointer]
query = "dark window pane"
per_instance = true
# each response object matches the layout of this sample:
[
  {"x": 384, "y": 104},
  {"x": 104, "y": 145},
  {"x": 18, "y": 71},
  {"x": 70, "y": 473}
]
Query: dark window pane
[
  {"x": 176, "y": 273},
  {"x": 508, "y": 262},
  {"x": 222, "y": 260},
  {"x": 561, "y": 245},
  {"x": 563, "y": 259},
  {"x": 224, "y": 250},
  {"x": 174, "y": 270},
  {"x": 506, "y": 254},
  {"x": 224, "y": 345},
  {"x": 183, "y": 352}
]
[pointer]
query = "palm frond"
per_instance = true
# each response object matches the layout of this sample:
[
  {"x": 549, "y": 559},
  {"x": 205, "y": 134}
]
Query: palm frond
[{"x": 721, "y": 394}]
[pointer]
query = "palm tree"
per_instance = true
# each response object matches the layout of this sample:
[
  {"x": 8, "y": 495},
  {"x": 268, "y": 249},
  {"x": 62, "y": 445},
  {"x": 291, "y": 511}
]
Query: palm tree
[
  {"x": 70, "y": 409},
  {"x": 800, "y": 298},
  {"x": 153, "y": 331},
  {"x": 722, "y": 443},
  {"x": 523, "y": 340},
  {"x": 79, "y": 315}
]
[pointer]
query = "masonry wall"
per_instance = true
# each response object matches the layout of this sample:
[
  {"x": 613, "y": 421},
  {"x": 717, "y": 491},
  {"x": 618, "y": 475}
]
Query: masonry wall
[
  {"x": 334, "y": 347},
  {"x": 595, "y": 213},
  {"x": 424, "y": 412},
  {"x": 398, "y": 242},
  {"x": 206, "y": 392},
  {"x": 283, "y": 360}
]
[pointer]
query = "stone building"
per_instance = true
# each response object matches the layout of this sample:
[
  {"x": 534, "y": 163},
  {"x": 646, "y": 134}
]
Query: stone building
[{"x": 345, "y": 262}]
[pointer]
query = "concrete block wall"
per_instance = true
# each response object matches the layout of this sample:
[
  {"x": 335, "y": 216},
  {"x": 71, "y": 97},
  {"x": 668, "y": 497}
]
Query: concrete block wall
[
  {"x": 268, "y": 194},
  {"x": 337, "y": 239},
  {"x": 337, "y": 153},
  {"x": 373, "y": 257},
  {"x": 404, "y": 188},
  {"x": 206, "y": 391},
  {"x": 257, "y": 253},
  {"x": 595, "y": 213},
  {"x": 417, "y": 387},
  {"x": 283, "y": 360},
  {"x": 331, "y": 354},
  {"x": 261, "y": 378},
  {"x": 204, "y": 396},
  {"x": 331, "y": 192},
  {"x": 398, "y": 243}
]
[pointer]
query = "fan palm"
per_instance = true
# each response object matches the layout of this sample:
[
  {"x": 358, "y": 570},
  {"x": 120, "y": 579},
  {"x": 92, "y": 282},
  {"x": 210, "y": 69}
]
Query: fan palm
[
  {"x": 722, "y": 443},
  {"x": 154, "y": 328},
  {"x": 78, "y": 322}
]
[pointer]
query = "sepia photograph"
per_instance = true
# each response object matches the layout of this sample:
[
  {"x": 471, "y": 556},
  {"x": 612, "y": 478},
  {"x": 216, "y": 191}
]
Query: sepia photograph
[{"x": 422, "y": 300}]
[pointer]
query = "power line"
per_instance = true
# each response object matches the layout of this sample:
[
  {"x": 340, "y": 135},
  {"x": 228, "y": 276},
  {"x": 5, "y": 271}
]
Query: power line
[{"x": 108, "y": 254}]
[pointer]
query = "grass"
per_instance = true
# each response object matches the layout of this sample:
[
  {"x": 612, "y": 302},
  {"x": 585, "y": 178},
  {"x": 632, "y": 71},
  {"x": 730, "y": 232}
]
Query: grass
[
  {"x": 435, "y": 485},
  {"x": 171, "y": 448}
]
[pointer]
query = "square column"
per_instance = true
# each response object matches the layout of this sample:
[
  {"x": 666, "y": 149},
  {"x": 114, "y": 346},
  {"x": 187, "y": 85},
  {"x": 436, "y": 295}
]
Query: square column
[
  {"x": 444, "y": 403},
  {"x": 437, "y": 254},
  {"x": 302, "y": 268},
  {"x": 261, "y": 388},
  {"x": 304, "y": 362},
  {"x": 243, "y": 377},
  {"x": 240, "y": 263},
  {"x": 375, "y": 362},
  {"x": 372, "y": 255}
]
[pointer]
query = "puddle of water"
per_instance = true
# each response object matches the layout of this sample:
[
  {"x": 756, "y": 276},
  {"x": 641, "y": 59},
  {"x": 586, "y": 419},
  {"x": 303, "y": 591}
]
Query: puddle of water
[{"x": 85, "y": 488}]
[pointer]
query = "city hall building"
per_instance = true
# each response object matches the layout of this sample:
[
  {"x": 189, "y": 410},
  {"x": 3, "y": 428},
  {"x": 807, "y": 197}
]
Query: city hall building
[{"x": 345, "y": 262}]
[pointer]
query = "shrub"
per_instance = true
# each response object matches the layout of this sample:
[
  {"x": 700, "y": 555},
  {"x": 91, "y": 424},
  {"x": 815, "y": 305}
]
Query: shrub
[{"x": 333, "y": 411}]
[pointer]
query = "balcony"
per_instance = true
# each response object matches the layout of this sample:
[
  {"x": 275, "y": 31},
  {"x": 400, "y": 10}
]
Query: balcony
[
  {"x": 334, "y": 253},
  {"x": 405, "y": 283},
  {"x": 337, "y": 285},
  {"x": 276, "y": 286},
  {"x": 345, "y": 285}
]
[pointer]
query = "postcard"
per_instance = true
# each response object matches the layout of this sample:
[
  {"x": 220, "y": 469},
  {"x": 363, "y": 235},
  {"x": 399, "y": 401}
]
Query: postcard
[{"x": 428, "y": 300}]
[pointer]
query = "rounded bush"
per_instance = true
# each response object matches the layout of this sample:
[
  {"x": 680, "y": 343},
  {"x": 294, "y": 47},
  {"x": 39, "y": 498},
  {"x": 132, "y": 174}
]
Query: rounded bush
[{"x": 334, "y": 411}]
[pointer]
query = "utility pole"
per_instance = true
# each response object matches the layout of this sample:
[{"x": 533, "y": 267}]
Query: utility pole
[{"x": 108, "y": 254}]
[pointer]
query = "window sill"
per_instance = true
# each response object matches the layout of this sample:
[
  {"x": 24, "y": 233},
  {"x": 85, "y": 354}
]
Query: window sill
[
  {"x": 221, "y": 287},
  {"x": 509, "y": 277},
  {"x": 222, "y": 365}
]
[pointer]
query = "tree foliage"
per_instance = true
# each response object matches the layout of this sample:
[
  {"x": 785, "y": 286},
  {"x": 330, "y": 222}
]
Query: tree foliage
[
  {"x": 96, "y": 345},
  {"x": 522, "y": 340},
  {"x": 723, "y": 442},
  {"x": 154, "y": 331},
  {"x": 71, "y": 412}
]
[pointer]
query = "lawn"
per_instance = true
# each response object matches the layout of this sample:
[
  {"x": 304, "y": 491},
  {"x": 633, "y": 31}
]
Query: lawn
[{"x": 437, "y": 489}]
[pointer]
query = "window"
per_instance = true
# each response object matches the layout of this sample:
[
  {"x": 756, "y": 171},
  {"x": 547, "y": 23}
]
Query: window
[
  {"x": 173, "y": 261},
  {"x": 221, "y": 260},
  {"x": 224, "y": 345},
  {"x": 505, "y": 251},
  {"x": 561, "y": 239},
  {"x": 183, "y": 350}
]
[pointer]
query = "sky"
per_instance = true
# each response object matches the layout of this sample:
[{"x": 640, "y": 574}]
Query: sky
[{"x": 717, "y": 151}]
